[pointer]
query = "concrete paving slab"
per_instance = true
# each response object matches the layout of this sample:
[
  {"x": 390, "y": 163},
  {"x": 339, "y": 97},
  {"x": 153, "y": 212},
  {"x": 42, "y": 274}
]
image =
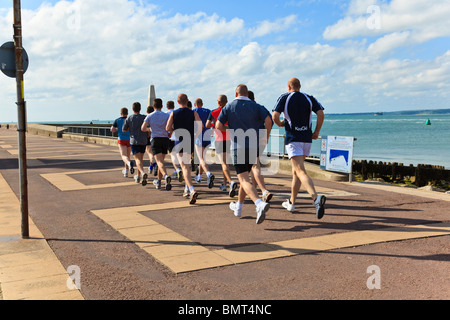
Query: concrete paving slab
[
  {"x": 195, "y": 261},
  {"x": 252, "y": 253},
  {"x": 28, "y": 267}
]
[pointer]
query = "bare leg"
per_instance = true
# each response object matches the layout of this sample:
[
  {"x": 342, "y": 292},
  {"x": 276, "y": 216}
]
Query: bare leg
[{"x": 298, "y": 166}]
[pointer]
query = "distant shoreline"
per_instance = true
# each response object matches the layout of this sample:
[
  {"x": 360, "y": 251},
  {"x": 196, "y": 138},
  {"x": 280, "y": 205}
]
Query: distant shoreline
[{"x": 424, "y": 112}]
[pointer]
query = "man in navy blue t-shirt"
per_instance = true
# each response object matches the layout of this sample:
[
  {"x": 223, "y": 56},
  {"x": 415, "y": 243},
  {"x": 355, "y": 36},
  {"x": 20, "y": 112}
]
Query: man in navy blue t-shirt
[
  {"x": 297, "y": 108},
  {"x": 244, "y": 118}
]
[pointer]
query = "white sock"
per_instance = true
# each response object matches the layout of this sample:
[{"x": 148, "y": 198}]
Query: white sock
[
  {"x": 191, "y": 189},
  {"x": 208, "y": 174},
  {"x": 239, "y": 205},
  {"x": 257, "y": 202}
]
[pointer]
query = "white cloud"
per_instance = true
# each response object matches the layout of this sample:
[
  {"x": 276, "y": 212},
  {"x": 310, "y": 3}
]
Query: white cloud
[
  {"x": 267, "y": 27},
  {"x": 88, "y": 59},
  {"x": 425, "y": 20}
]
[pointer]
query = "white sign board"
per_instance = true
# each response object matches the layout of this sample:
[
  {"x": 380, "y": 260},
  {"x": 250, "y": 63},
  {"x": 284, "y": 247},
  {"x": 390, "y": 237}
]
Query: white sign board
[{"x": 337, "y": 154}]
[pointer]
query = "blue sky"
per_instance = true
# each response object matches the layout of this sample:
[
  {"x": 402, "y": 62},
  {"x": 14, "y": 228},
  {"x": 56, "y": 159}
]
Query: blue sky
[{"x": 89, "y": 58}]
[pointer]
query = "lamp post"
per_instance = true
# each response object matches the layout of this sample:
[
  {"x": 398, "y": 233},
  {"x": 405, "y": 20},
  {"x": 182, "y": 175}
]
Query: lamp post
[{"x": 21, "y": 122}]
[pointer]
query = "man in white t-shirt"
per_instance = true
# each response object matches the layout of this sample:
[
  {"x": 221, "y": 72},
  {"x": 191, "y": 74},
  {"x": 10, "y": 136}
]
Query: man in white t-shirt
[{"x": 155, "y": 123}]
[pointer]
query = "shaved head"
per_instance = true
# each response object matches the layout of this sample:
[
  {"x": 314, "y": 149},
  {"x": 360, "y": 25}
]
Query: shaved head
[
  {"x": 294, "y": 84},
  {"x": 242, "y": 90},
  {"x": 183, "y": 99}
]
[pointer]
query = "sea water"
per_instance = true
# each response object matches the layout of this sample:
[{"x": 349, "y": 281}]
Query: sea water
[{"x": 404, "y": 139}]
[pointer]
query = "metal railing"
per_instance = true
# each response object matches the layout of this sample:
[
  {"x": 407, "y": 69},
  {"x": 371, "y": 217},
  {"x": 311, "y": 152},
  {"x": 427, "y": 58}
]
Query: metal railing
[
  {"x": 104, "y": 131},
  {"x": 94, "y": 131}
]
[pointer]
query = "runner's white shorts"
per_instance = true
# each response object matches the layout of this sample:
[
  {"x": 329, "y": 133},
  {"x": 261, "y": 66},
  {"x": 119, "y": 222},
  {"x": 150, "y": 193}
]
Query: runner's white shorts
[{"x": 298, "y": 149}]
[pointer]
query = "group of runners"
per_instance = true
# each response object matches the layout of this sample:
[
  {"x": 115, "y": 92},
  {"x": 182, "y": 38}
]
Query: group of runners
[{"x": 241, "y": 130}]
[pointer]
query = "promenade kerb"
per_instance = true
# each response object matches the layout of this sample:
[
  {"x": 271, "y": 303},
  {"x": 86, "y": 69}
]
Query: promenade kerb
[{"x": 134, "y": 242}]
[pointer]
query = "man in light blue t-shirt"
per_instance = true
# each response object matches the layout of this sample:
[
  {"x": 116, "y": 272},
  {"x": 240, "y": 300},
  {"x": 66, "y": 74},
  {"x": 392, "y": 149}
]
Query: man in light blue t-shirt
[{"x": 244, "y": 118}]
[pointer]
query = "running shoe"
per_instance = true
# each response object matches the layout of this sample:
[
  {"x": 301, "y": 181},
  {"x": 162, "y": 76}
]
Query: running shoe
[
  {"x": 186, "y": 194},
  {"x": 223, "y": 187},
  {"x": 234, "y": 207},
  {"x": 261, "y": 211},
  {"x": 233, "y": 188},
  {"x": 198, "y": 179},
  {"x": 267, "y": 196},
  {"x": 211, "y": 181},
  {"x": 155, "y": 169},
  {"x": 144, "y": 179},
  {"x": 168, "y": 180},
  {"x": 193, "y": 197},
  {"x": 320, "y": 206},
  {"x": 125, "y": 173},
  {"x": 130, "y": 164},
  {"x": 288, "y": 205},
  {"x": 180, "y": 176},
  {"x": 158, "y": 185},
  {"x": 137, "y": 179},
  {"x": 150, "y": 169}
]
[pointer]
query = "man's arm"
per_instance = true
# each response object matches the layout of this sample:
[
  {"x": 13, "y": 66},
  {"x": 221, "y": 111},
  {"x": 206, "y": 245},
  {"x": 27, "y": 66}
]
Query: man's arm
[
  {"x": 220, "y": 126},
  {"x": 125, "y": 126},
  {"x": 199, "y": 125},
  {"x": 319, "y": 123},
  {"x": 145, "y": 127},
  {"x": 268, "y": 125},
  {"x": 169, "y": 125},
  {"x": 276, "y": 118},
  {"x": 209, "y": 124}
]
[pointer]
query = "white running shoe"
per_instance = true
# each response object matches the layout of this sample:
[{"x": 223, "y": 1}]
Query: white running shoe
[
  {"x": 234, "y": 207},
  {"x": 288, "y": 205},
  {"x": 320, "y": 206},
  {"x": 233, "y": 188},
  {"x": 130, "y": 165},
  {"x": 193, "y": 197},
  {"x": 267, "y": 196},
  {"x": 125, "y": 173},
  {"x": 261, "y": 211}
]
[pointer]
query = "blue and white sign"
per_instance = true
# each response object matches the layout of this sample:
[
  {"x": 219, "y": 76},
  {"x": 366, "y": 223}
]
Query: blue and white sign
[
  {"x": 8, "y": 59},
  {"x": 336, "y": 154}
]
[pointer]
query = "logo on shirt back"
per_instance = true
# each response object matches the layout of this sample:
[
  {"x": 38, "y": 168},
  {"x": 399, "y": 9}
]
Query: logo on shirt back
[{"x": 304, "y": 128}]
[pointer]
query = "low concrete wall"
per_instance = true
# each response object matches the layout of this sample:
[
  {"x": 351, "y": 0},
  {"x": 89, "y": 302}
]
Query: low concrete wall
[
  {"x": 45, "y": 130},
  {"x": 313, "y": 170},
  {"x": 96, "y": 140}
]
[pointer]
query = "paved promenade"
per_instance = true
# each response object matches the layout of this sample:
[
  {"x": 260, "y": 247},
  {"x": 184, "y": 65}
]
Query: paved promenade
[{"x": 120, "y": 240}]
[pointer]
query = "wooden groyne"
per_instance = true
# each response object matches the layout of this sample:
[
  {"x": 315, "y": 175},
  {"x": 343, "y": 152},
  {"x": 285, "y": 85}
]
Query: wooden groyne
[{"x": 420, "y": 175}]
